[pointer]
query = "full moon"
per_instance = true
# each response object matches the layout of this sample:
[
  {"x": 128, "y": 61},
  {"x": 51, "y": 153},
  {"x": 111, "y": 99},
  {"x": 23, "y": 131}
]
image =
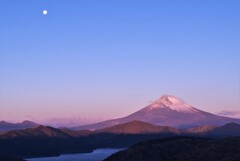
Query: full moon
[{"x": 45, "y": 12}]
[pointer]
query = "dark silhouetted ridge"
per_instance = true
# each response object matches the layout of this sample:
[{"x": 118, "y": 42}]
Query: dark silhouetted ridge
[{"x": 182, "y": 149}]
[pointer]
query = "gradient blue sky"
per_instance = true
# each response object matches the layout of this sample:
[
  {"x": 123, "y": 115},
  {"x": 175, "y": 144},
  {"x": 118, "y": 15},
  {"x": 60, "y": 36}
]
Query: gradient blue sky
[{"x": 104, "y": 59}]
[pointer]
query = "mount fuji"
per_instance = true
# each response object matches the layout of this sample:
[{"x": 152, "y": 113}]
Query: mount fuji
[{"x": 167, "y": 111}]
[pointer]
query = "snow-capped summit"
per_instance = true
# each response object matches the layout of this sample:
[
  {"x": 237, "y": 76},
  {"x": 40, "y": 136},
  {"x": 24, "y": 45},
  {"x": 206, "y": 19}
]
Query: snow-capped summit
[
  {"x": 172, "y": 103},
  {"x": 168, "y": 100}
]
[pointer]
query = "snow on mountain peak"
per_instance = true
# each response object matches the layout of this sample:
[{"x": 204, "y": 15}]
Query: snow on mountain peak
[
  {"x": 172, "y": 103},
  {"x": 170, "y": 100}
]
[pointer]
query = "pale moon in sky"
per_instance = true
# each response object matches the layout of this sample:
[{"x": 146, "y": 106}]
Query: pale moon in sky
[{"x": 45, "y": 12}]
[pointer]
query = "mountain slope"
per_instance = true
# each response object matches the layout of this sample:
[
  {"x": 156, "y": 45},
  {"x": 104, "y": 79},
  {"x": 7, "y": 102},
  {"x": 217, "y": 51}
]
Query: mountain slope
[
  {"x": 41, "y": 141},
  {"x": 168, "y": 111},
  {"x": 40, "y": 131},
  {"x": 230, "y": 129},
  {"x": 138, "y": 127},
  {"x": 201, "y": 129},
  {"x": 44, "y": 132}
]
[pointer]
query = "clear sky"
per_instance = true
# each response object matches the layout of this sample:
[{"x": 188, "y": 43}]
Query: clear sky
[{"x": 103, "y": 59}]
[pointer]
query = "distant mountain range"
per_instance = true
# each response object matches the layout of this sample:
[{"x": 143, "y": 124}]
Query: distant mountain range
[
  {"x": 7, "y": 126},
  {"x": 132, "y": 127},
  {"x": 167, "y": 111},
  {"x": 49, "y": 141}
]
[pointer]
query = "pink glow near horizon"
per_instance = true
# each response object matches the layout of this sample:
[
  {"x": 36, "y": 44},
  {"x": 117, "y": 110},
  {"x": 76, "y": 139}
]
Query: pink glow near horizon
[{"x": 94, "y": 111}]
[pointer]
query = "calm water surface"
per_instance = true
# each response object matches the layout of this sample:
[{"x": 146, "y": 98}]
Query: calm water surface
[{"x": 96, "y": 155}]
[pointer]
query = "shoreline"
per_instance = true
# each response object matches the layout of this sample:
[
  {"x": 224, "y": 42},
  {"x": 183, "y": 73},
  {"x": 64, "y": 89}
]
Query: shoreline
[{"x": 70, "y": 153}]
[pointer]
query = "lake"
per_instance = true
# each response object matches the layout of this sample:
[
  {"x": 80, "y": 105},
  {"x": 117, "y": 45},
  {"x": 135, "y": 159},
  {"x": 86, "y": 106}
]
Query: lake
[{"x": 96, "y": 155}]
